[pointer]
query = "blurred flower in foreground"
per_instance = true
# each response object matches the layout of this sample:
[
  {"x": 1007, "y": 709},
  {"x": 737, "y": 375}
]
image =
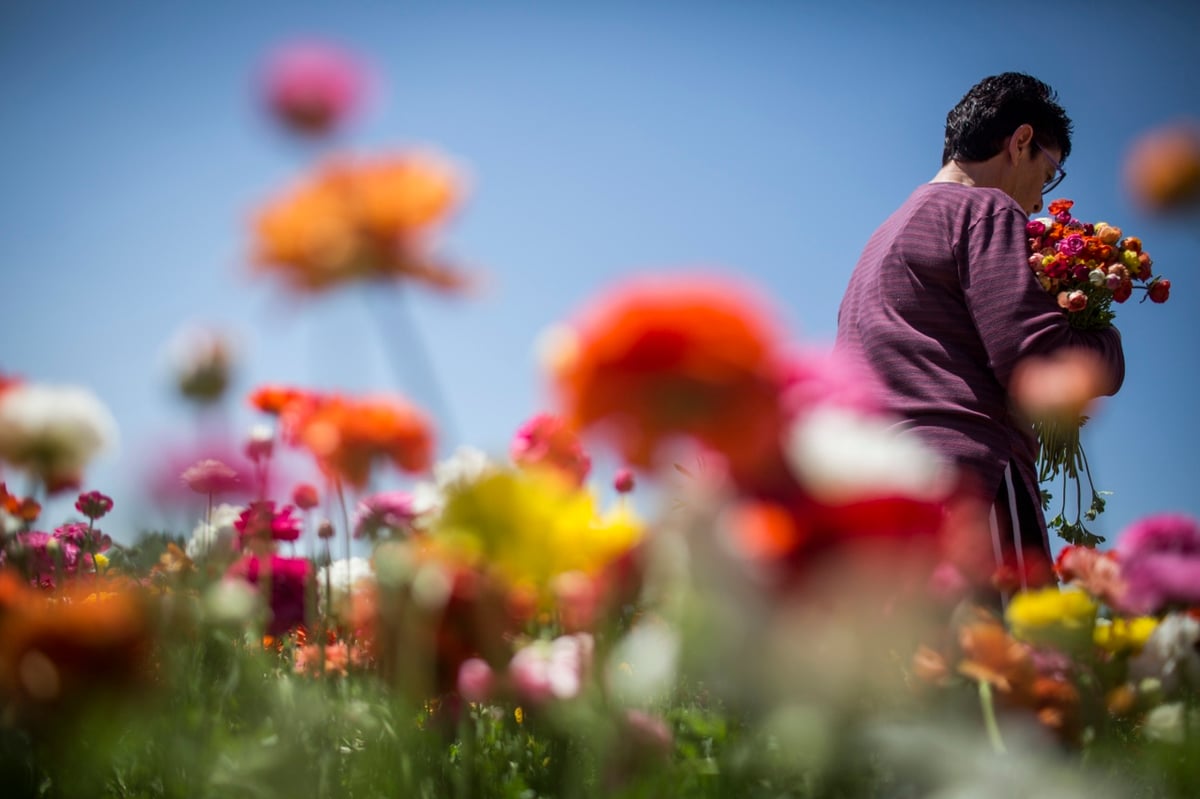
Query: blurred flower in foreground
[
  {"x": 546, "y": 441},
  {"x": 656, "y": 359},
  {"x": 56, "y": 652},
  {"x": 312, "y": 87},
  {"x": 361, "y": 219},
  {"x": 1059, "y": 386},
  {"x": 1064, "y": 619},
  {"x": 529, "y": 527},
  {"x": 1160, "y": 563},
  {"x": 545, "y": 670},
  {"x": 1171, "y": 655},
  {"x": 53, "y": 432},
  {"x": 201, "y": 361},
  {"x": 1162, "y": 169}
]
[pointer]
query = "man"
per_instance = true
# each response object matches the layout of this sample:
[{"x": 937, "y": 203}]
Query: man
[{"x": 942, "y": 304}]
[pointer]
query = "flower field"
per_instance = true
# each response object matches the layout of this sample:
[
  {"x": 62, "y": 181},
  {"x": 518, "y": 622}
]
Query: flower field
[{"x": 710, "y": 567}]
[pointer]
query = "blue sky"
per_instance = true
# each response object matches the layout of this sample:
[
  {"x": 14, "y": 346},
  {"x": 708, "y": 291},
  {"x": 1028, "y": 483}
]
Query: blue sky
[{"x": 765, "y": 140}]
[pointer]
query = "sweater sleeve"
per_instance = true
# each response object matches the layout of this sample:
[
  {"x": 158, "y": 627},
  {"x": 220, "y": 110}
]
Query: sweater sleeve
[{"x": 1014, "y": 315}]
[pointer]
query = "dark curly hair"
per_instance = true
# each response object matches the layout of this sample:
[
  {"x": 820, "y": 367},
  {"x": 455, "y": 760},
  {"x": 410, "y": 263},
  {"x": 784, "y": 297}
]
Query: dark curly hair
[{"x": 988, "y": 114}]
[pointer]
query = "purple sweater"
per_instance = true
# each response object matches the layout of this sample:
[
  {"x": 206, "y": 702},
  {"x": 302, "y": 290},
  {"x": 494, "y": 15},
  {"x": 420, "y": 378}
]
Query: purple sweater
[{"x": 942, "y": 305}]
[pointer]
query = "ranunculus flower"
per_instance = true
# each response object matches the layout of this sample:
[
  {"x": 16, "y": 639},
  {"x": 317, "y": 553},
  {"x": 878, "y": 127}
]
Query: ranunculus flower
[
  {"x": 305, "y": 496},
  {"x": 1071, "y": 246},
  {"x": 1159, "y": 290},
  {"x": 217, "y": 536},
  {"x": 313, "y": 86},
  {"x": 476, "y": 680},
  {"x": 546, "y": 441},
  {"x": 93, "y": 504},
  {"x": 655, "y": 360},
  {"x": 546, "y": 670},
  {"x": 212, "y": 477},
  {"x": 387, "y": 510},
  {"x": 1058, "y": 386},
  {"x": 261, "y": 521},
  {"x": 1171, "y": 654},
  {"x": 1160, "y": 563},
  {"x": 1049, "y": 616},
  {"x": 1035, "y": 227},
  {"x": 1162, "y": 170},
  {"x": 288, "y": 579},
  {"x": 623, "y": 481},
  {"x": 53, "y": 432}
]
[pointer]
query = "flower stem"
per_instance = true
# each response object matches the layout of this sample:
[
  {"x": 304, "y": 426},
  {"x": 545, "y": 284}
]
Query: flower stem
[{"x": 989, "y": 717}]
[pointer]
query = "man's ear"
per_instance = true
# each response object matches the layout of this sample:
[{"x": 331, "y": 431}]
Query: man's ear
[{"x": 1021, "y": 139}]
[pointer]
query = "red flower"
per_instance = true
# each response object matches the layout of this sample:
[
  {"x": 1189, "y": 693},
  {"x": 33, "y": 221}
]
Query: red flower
[
  {"x": 653, "y": 360},
  {"x": 1159, "y": 290},
  {"x": 93, "y": 504},
  {"x": 305, "y": 496}
]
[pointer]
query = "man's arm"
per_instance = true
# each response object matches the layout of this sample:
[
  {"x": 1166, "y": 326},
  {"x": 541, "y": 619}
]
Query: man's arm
[{"x": 1014, "y": 315}]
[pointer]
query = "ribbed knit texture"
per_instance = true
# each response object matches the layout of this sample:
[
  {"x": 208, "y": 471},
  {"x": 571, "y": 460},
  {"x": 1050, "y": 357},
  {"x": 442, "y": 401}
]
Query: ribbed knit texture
[{"x": 942, "y": 305}]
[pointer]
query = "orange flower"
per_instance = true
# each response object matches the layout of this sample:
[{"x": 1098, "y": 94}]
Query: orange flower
[
  {"x": 1058, "y": 206},
  {"x": 54, "y": 652},
  {"x": 652, "y": 360},
  {"x": 1162, "y": 170},
  {"x": 360, "y": 220},
  {"x": 274, "y": 399},
  {"x": 347, "y": 436},
  {"x": 990, "y": 655}
]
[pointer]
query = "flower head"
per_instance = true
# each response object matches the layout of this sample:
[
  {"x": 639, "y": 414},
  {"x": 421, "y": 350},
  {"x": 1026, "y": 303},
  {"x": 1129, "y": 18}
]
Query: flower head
[
  {"x": 288, "y": 579},
  {"x": 1160, "y": 563},
  {"x": 261, "y": 521},
  {"x": 211, "y": 476},
  {"x": 654, "y": 360},
  {"x": 546, "y": 441},
  {"x": 53, "y": 432},
  {"x": 93, "y": 504},
  {"x": 387, "y": 510},
  {"x": 1050, "y": 616},
  {"x": 1162, "y": 169},
  {"x": 313, "y": 86},
  {"x": 356, "y": 220}
]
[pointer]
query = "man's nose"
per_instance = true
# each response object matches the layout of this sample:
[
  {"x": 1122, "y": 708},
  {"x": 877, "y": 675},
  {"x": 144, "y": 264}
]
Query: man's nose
[{"x": 1037, "y": 206}]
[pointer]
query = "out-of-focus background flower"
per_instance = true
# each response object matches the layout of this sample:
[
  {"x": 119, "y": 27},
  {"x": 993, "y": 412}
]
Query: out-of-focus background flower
[{"x": 594, "y": 141}]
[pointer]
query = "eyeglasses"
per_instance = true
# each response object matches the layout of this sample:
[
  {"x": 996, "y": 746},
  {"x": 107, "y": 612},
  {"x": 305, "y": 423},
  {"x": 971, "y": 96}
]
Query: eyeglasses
[{"x": 1060, "y": 173}]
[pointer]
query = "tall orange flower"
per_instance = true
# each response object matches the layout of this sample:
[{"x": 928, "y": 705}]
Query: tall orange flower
[
  {"x": 356, "y": 220},
  {"x": 655, "y": 359}
]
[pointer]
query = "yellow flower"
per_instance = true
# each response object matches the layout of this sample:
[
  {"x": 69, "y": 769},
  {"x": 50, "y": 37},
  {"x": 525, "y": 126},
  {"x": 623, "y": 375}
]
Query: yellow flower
[
  {"x": 519, "y": 715},
  {"x": 529, "y": 526},
  {"x": 101, "y": 561},
  {"x": 1050, "y": 616},
  {"x": 1124, "y": 635}
]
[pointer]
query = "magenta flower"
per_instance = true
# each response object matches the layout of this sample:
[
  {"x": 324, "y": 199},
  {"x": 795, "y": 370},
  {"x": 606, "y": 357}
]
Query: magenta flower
[
  {"x": 547, "y": 441},
  {"x": 93, "y": 505},
  {"x": 624, "y": 481},
  {"x": 83, "y": 537},
  {"x": 476, "y": 680},
  {"x": 1160, "y": 563},
  {"x": 1035, "y": 227},
  {"x": 545, "y": 670},
  {"x": 312, "y": 86},
  {"x": 814, "y": 379},
  {"x": 288, "y": 579},
  {"x": 262, "y": 522},
  {"x": 1072, "y": 245},
  {"x": 387, "y": 510}
]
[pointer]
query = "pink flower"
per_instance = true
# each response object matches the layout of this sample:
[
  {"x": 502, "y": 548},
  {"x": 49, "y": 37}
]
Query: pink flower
[
  {"x": 821, "y": 378},
  {"x": 624, "y": 481},
  {"x": 1035, "y": 227},
  {"x": 476, "y": 680},
  {"x": 1061, "y": 385},
  {"x": 211, "y": 476},
  {"x": 288, "y": 580},
  {"x": 1072, "y": 301},
  {"x": 545, "y": 440},
  {"x": 1160, "y": 563},
  {"x": 546, "y": 670},
  {"x": 313, "y": 86},
  {"x": 1072, "y": 245},
  {"x": 81, "y": 536},
  {"x": 93, "y": 504},
  {"x": 387, "y": 510},
  {"x": 261, "y": 522}
]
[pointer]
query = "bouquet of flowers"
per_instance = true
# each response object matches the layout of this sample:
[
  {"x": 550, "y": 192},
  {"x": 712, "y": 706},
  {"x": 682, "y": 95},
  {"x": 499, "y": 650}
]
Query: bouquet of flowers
[{"x": 1088, "y": 267}]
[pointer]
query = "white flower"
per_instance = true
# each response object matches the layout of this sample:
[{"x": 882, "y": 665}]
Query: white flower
[
  {"x": 841, "y": 456},
  {"x": 343, "y": 577},
  {"x": 1170, "y": 654},
  {"x": 642, "y": 666},
  {"x": 217, "y": 536},
  {"x": 53, "y": 432},
  {"x": 464, "y": 467}
]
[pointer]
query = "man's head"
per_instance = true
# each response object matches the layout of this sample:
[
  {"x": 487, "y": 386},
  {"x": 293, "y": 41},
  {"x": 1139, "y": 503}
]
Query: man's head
[{"x": 1014, "y": 122}]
